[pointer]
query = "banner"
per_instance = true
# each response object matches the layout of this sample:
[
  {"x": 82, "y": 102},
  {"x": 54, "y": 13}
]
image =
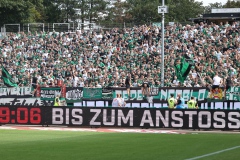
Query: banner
[
  {"x": 74, "y": 94},
  {"x": 149, "y": 118},
  {"x": 216, "y": 94},
  {"x": 16, "y": 92},
  {"x": 107, "y": 94},
  {"x": 49, "y": 93},
  {"x": 157, "y": 24},
  {"x": 163, "y": 93},
  {"x": 233, "y": 94},
  {"x": 25, "y": 102},
  {"x": 92, "y": 93},
  {"x": 122, "y": 117}
]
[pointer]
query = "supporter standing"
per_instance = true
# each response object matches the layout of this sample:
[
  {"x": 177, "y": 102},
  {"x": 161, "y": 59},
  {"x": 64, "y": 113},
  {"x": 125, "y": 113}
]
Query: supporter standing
[
  {"x": 128, "y": 84},
  {"x": 34, "y": 84},
  {"x": 217, "y": 81},
  {"x": 228, "y": 84},
  {"x": 180, "y": 102},
  {"x": 192, "y": 104},
  {"x": 57, "y": 101},
  {"x": 145, "y": 88},
  {"x": 122, "y": 101},
  {"x": 171, "y": 102},
  {"x": 116, "y": 101}
]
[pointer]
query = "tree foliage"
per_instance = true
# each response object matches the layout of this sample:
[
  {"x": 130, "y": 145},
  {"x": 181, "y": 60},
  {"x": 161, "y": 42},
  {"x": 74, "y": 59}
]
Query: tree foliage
[
  {"x": 118, "y": 13},
  {"x": 134, "y": 11},
  {"x": 12, "y": 11},
  {"x": 232, "y": 4},
  {"x": 97, "y": 9},
  {"x": 209, "y": 8},
  {"x": 52, "y": 12},
  {"x": 182, "y": 10},
  {"x": 143, "y": 11}
]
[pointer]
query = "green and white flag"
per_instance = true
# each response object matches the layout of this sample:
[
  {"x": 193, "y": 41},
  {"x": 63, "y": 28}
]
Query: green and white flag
[{"x": 7, "y": 78}]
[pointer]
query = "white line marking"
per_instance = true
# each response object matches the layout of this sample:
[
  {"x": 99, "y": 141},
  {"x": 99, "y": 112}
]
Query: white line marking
[{"x": 210, "y": 154}]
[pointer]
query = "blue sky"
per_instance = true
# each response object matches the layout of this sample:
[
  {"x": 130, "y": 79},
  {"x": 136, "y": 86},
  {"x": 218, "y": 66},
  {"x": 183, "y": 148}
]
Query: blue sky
[{"x": 206, "y": 2}]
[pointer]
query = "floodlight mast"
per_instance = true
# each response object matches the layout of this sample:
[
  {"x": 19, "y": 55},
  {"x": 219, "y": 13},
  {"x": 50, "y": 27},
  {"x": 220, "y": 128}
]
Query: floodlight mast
[
  {"x": 162, "y": 9},
  {"x": 162, "y": 52}
]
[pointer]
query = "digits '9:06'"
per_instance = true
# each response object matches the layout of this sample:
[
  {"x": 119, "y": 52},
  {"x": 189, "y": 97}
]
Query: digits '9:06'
[{"x": 20, "y": 115}]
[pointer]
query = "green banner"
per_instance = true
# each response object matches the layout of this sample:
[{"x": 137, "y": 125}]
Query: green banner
[
  {"x": 164, "y": 93},
  {"x": 107, "y": 96},
  {"x": 233, "y": 94},
  {"x": 157, "y": 24},
  {"x": 92, "y": 93},
  {"x": 49, "y": 93}
]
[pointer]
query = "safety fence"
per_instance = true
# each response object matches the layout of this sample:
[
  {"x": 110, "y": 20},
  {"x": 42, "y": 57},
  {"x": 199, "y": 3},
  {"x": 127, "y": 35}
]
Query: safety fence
[
  {"x": 62, "y": 27},
  {"x": 121, "y": 117}
]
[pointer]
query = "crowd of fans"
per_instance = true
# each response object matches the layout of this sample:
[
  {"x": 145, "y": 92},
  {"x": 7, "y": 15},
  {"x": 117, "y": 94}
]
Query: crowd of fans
[{"x": 101, "y": 58}]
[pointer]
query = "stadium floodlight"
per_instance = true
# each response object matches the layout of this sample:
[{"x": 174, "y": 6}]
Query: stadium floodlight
[{"x": 162, "y": 9}]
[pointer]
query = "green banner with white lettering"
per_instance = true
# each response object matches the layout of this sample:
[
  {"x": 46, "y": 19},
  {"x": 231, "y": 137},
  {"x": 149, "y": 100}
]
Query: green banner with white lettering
[
  {"x": 233, "y": 94},
  {"x": 92, "y": 93},
  {"x": 200, "y": 94},
  {"x": 49, "y": 93}
]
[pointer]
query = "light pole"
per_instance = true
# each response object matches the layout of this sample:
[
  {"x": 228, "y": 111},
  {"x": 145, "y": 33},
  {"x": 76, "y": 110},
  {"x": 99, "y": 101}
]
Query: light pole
[
  {"x": 162, "y": 9},
  {"x": 162, "y": 69}
]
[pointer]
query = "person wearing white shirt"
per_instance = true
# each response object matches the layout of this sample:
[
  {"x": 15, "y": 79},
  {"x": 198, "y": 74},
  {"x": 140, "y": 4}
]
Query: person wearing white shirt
[
  {"x": 122, "y": 101},
  {"x": 116, "y": 102},
  {"x": 81, "y": 82},
  {"x": 175, "y": 82},
  {"x": 194, "y": 74},
  {"x": 98, "y": 85},
  {"x": 217, "y": 81},
  {"x": 75, "y": 81}
]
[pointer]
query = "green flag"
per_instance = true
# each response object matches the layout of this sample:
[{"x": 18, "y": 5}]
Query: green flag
[
  {"x": 7, "y": 78},
  {"x": 205, "y": 32},
  {"x": 182, "y": 69}
]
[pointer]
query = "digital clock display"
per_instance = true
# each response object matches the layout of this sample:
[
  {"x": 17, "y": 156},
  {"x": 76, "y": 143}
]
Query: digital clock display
[{"x": 20, "y": 115}]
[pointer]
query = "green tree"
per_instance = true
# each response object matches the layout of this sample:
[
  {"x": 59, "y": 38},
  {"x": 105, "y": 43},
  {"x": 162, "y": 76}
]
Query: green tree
[
  {"x": 209, "y": 8},
  {"x": 96, "y": 10},
  {"x": 36, "y": 10},
  {"x": 12, "y": 11},
  {"x": 52, "y": 12},
  {"x": 232, "y": 4},
  {"x": 182, "y": 10},
  {"x": 118, "y": 13},
  {"x": 143, "y": 11},
  {"x": 68, "y": 9}
]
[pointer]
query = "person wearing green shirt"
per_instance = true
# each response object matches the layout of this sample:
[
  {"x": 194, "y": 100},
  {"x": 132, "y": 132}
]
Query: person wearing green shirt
[
  {"x": 171, "y": 102},
  {"x": 192, "y": 104}
]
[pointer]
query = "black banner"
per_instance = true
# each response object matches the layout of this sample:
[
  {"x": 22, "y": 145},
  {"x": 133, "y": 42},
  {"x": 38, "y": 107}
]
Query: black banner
[
  {"x": 26, "y": 102},
  {"x": 16, "y": 92},
  {"x": 74, "y": 94},
  {"x": 122, "y": 117}
]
